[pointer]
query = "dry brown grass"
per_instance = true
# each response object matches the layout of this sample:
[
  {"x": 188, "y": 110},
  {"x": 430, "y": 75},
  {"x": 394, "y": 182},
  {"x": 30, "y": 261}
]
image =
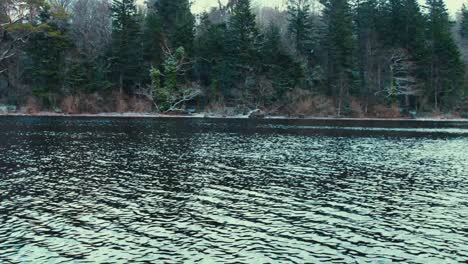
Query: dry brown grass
[
  {"x": 305, "y": 106},
  {"x": 138, "y": 105},
  {"x": 69, "y": 105},
  {"x": 33, "y": 106},
  {"x": 304, "y": 103},
  {"x": 356, "y": 108},
  {"x": 383, "y": 111},
  {"x": 217, "y": 107},
  {"x": 121, "y": 104}
]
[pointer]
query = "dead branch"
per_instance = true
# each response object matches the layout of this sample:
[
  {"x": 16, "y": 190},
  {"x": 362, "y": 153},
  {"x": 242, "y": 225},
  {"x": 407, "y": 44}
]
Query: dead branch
[{"x": 187, "y": 95}]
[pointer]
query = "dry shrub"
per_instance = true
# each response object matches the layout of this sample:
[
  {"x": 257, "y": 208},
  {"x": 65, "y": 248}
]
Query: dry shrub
[
  {"x": 90, "y": 104},
  {"x": 356, "y": 108},
  {"x": 80, "y": 104},
  {"x": 454, "y": 115},
  {"x": 33, "y": 106},
  {"x": 69, "y": 105},
  {"x": 121, "y": 104},
  {"x": 93, "y": 104},
  {"x": 217, "y": 107},
  {"x": 299, "y": 102},
  {"x": 325, "y": 106},
  {"x": 304, "y": 103},
  {"x": 383, "y": 111},
  {"x": 436, "y": 114},
  {"x": 463, "y": 110},
  {"x": 265, "y": 89},
  {"x": 305, "y": 106},
  {"x": 139, "y": 105}
]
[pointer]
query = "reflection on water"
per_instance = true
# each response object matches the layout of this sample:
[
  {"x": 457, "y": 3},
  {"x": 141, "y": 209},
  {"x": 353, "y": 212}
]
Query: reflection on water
[{"x": 239, "y": 191}]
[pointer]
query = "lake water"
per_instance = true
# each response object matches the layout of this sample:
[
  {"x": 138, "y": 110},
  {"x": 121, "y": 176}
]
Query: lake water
[{"x": 141, "y": 190}]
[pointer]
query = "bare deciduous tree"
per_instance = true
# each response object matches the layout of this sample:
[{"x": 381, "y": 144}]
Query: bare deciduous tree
[
  {"x": 403, "y": 81},
  {"x": 91, "y": 26},
  {"x": 14, "y": 12}
]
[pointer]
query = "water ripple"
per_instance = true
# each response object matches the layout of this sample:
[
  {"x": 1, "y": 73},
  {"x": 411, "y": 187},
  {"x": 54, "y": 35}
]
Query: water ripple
[{"x": 197, "y": 191}]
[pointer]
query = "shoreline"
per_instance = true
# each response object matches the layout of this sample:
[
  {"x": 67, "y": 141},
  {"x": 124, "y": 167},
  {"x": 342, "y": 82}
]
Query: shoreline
[{"x": 243, "y": 117}]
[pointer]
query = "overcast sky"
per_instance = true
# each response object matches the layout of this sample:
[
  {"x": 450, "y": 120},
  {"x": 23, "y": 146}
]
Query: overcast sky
[{"x": 201, "y": 5}]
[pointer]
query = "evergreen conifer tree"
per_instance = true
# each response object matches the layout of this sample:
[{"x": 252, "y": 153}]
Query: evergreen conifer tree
[
  {"x": 300, "y": 24},
  {"x": 340, "y": 45},
  {"x": 126, "y": 45},
  {"x": 242, "y": 40},
  {"x": 464, "y": 22},
  {"x": 446, "y": 66},
  {"x": 178, "y": 23}
]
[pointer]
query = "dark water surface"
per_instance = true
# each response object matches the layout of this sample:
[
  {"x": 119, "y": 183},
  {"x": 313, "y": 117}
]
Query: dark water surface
[{"x": 87, "y": 190}]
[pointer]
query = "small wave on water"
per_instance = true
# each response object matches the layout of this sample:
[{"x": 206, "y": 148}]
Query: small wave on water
[{"x": 195, "y": 191}]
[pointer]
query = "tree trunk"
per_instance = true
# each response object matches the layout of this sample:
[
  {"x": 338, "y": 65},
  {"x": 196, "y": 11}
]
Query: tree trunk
[{"x": 121, "y": 83}]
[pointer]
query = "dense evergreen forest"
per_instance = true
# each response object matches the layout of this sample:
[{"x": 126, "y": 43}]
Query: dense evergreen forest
[{"x": 383, "y": 58}]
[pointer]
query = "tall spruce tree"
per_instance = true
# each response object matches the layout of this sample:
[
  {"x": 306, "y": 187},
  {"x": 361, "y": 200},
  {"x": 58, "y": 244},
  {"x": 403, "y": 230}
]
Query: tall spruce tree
[
  {"x": 243, "y": 32},
  {"x": 446, "y": 66},
  {"x": 340, "y": 45},
  {"x": 126, "y": 45},
  {"x": 366, "y": 13},
  {"x": 401, "y": 29},
  {"x": 178, "y": 23},
  {"x": 216, "y": 66},
  {"x": 46, "y": 66},
  {"x": 152, "y": 39},
  {"x": 281, "y": 68},
  {"x": 464, "y": 22},
  {"x": 242, "y": 42},
  {"x": 300, "y": 24},
  {"x": 402, "y": 24}
]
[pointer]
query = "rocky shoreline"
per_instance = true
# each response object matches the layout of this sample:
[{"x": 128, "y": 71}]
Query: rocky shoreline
[{"x": 218, "y": 116}]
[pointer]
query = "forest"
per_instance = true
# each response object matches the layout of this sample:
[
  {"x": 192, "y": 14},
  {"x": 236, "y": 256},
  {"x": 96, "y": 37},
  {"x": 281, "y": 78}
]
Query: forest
[{"x": 351, "y": 58}]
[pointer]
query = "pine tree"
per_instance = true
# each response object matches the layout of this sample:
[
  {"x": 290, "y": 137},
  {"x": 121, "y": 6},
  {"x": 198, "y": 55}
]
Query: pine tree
[
  {"x": 387, "y": 30},
  {"x": 46, "y": 66},
  {"x": 340, "y": 45},
  {"x": 126, "y": 45},
  {"x": 300, "y": 24},
  {"x": 178, "y": 23},
  {"x": 243, "y": 31},
  {"x": 153, "y": 39},
  {"x": 464, "y": 22},
  {"x": 366, "y": 16},
  {"x": 402, "y": 24},
  {"x": 214, "y": 67},
  {"x": 446, "y": 66},
  {"x": 280, "y": 67},
  {"x": 242, "y": 43}
]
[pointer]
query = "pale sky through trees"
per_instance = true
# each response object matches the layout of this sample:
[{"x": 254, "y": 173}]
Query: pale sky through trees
[{"x": 201, "y": 5}]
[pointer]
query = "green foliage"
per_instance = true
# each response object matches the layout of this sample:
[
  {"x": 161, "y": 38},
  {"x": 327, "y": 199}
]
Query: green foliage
[
  {"x": 300, "y": 24},
  {"x": 87, "y": 76},
  {"x": 127, "y": 57},
  {"x": 165, "y": 93},
  {"x": 178, "y": 22},
  {"x": 353, "y": 51},
  {"x": 340, "y": 45},
  {"x": 212, "y": 58},
  {"x": 170, "y": 72},
  {"x": 446, "y": 67},
  {"x": 464, "y": 22},
  {"x": 46, "y": 64},
  {"x": 155, "y": 76},
  {"x": 243, "y": 32},
  {"x": 153, "y": 39},
  {"x": 402, "y": 23},
  {"x": 161, "y": 95},
  {"x": 242, "y": 47},
  {"x": 284, "y": 71}
]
